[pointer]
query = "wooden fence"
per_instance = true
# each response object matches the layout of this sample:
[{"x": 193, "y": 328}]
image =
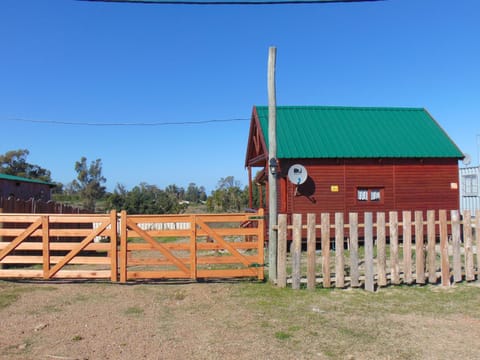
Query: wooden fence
[
  {"x": 128, "y": 247},
  {"x": 32, "y": 206},
  {"x": 411, "y": 251}
]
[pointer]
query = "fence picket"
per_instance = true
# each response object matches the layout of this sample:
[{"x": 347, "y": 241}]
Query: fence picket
[
  {"x": 381, "y": 250},
  {"x": 419, "y": 249},
  {"x": 311, "y": 251},
  {"x": 444, "y": 259},
  {"x": 325, "y": 229},
  {"x": 457, "y": 259},
  {"x": 395, "y": 268},
  {"x": 296, "y": 250},
  {"x": 354, "y": 270},
  {"x": 431, "y": 252},
  {"x": 477, "y": 241},
  {"x": 407, "y": 246},
  {"x": 468, "y": 241},
  {"x": 339, "y": 253},
  {"x": 282, "y": 251},
  {"x": 369, "y": 276}
]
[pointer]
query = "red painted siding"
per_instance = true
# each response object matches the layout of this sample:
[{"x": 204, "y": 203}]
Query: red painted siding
[{"x": 407, "y": 184}]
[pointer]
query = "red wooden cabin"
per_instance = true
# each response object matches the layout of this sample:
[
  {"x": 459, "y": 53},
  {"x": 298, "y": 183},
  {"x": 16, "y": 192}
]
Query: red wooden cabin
[{"x": 357, "y": 159}]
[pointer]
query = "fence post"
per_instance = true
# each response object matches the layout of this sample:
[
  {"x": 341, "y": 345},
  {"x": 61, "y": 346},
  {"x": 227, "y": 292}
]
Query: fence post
[
  {"x": 339, "y": 253},
  {"x": 393, "y": 220},
  {"x": 46, "y": 246},
  {"x": 457, "y": 259},
  {"x": 369, "y": 276},
  {"x": 193, "y": 247},
  {"x": 326, "y": 249},
  {"x": 445, "y": 262},
  {"x": 282, "y": 251},
  {"x": 311, "y": 251},
  {"x": 467, "y": 237},
  {"x": 407, "y": 246},
  {"x": 431, "y": 252},
  {"x": 296, "y": 250},
  {"x": 381, "y": 250},
  {"x": 353, "y": 232},
  {"x": 419, "y": 248},
  {"x": 261, "y": 243},
  {"x": 113, "y": 246},
  {"x": 123, "y": 246}
]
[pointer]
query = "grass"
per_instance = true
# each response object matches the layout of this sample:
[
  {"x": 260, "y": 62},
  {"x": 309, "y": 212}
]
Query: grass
[{"x": 9, "y": 293}]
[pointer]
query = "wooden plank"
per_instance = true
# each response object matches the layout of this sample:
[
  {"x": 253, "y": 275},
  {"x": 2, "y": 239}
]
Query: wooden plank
[
  {"x": 221, "y": 241},
  {"x": 339, "y": 252},
  {"x": 325, "y": 234},
  {"x": 58, "y": 246},
  {"x": 296, "y": 250},
  {"x": 431, "y": 252},
  {"x": 457, "y": 258},
  {"x": 26, "y": 233},
  {"x": 395, "y": 268},
  {"x": 282, "y": 251},
  {"x": 419, "y": 249},
  {"x": 261, "y": 243},
  {"x": 62, "y": 274},
  {"x": 407, "y": 246},
  {"x": 369, "y": 275},
  {"x": 311, "y": 251},
  {"x": 381, "y": 250},
  {"x": 193, "y": 247},
  {"x": 113, "y": 246},
  {"x": 224, "y": 273},
  {"x": 46, "y": 247},
  {"x": 78, "y": 248},
  {"x": 444, "y": 259},
  {"x": 38, "y": 259},
  {"x": 123, "y": 272},
  {"x": 353, "y": 232},
  {"x": 468, "y": 240}
]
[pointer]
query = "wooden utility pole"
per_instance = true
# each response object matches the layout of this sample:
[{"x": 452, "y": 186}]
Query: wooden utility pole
[{"x": 272, "y": 158}]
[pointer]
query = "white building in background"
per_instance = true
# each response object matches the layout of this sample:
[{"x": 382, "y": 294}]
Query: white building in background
[{"x": 470, "y": 189}]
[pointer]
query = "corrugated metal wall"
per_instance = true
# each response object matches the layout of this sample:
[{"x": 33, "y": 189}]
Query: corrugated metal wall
[{"x": 470, "y": 189}]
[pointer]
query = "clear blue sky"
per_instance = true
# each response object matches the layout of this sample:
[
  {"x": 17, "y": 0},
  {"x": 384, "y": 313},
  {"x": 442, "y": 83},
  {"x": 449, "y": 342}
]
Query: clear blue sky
[{"x": 86, "y": 62}]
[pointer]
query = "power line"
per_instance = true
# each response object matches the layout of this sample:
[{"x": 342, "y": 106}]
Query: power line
[
  {"x": 159, "y": 123},
  {"x": 232, "y": 2}
]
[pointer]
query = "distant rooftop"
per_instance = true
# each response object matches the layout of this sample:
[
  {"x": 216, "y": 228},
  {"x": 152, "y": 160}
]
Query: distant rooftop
[{"x": 19, "y": 178}]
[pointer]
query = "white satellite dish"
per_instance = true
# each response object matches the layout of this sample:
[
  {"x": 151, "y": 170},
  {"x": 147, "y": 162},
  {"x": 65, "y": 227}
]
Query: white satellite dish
[
  {"x": 297, "y": 174},
  {"x": 466, "y": 159}
]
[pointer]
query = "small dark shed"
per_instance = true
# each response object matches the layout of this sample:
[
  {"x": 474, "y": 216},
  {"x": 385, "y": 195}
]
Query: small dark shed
[
  {"x": 357, "y": 158},
  {"x": 24, "y": 188}
]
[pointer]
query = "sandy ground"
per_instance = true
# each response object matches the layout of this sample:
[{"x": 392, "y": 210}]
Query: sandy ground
[{"x": 210, "y": 321}]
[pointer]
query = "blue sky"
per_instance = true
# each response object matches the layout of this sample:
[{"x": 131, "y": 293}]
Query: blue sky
[{"x": 86, "y": 62}]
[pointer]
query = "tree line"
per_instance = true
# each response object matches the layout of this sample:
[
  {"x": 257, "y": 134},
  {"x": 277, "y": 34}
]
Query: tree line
[{"x": 89, "y": 192}]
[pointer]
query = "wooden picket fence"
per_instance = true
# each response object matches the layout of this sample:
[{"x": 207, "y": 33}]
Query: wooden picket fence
[
  {"x": 411, "y": 251},
  {"x": 131, "y": 247}
]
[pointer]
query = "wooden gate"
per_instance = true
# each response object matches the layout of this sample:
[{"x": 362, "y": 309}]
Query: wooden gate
[
  {"x": 58, "y": 246},
  {"x": 191, "y": 246}
]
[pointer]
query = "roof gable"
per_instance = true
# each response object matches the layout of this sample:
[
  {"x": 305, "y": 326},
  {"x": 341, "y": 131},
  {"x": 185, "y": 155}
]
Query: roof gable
[{"x": 356, "y": 132}]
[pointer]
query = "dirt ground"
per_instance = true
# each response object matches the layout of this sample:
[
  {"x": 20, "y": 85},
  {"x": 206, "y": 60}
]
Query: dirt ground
[{"x": 237, "y": 320}]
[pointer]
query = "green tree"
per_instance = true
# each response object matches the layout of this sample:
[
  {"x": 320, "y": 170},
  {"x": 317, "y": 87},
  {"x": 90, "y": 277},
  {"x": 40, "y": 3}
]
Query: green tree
[
  {"x": 15, "y": 163},
  {"x": 227, "y": 197},
  {"x": 145, "y": 199},
  {"x": 89, "y": 182}
]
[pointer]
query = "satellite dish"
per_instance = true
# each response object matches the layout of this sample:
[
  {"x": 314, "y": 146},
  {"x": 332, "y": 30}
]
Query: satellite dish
[
  {"x": 466, "y": 159},
  {"x": 297, "y": 174}
]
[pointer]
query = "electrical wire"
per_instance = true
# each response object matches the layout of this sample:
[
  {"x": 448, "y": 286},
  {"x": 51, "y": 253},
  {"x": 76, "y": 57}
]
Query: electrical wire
[
  {"x": 159, "y": 123},
  {"x": 232, "y": 2}
]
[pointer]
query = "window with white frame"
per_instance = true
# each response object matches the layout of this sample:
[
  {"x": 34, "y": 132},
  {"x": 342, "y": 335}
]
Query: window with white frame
[
  {"x": 369, "y": 195},
  {"x": 470, "y": 185}
]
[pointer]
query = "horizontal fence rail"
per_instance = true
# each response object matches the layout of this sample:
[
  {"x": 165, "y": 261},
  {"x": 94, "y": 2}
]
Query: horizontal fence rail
[
  {"x": 401, "y": 249},
  {"x": 128, "y": 247}
]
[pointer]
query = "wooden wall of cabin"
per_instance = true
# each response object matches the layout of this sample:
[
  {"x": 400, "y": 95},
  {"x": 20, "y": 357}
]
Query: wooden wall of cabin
[{"x": 406, "y": 184}]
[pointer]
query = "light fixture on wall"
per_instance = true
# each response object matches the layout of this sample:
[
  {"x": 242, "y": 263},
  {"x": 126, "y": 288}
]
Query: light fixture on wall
[{"x": 273, "y": 165}]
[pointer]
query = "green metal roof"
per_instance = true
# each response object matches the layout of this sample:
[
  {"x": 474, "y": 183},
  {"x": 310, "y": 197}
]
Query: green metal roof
[
  {"x": 19, "y": 178},
  {"x": 357, "y": 132}
]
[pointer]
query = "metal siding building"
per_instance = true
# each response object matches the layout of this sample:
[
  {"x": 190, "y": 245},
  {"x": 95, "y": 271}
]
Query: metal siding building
[{"x": 470, "y": 189}]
